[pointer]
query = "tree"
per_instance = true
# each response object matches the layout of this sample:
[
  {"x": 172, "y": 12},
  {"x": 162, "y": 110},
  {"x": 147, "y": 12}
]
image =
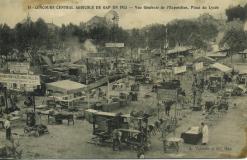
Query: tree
[
  {"x": 100, "y": 34},
  {"x": 6, "y": 40},
  {"x": 208, "y": 27},
  {"x": 40, "y": 33},
  {"x": 237, "y": 12},
  {"x": 31, "y": 36},
  {"x": 235, "y": 39},
  {"x": 118, "y": 34},
  {"x": 135, "y": 40},
  {"x": 155, "y": 36}
]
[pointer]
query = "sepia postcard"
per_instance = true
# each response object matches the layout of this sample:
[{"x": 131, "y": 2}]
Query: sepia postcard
[{"x": 123, "y": 79}]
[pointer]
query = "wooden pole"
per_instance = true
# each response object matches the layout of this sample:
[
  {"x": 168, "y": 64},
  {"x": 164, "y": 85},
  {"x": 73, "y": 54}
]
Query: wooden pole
[
  {"x": 87, "y": 82},
  {"x": 108, "y": 89},
  {"x": 6, "y": 98},
  {"x": 34, "y": 105}
]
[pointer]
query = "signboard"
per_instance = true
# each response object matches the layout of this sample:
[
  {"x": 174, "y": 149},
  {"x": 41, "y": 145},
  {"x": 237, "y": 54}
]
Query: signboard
[
  {"x": 198, "y": 66},
  {"x": 18, "y": 67},
  {"x": 178, "y": 70},
  {"x": 20, "y": 79},
  {"x": 167, "y": 94},
  {"x": 114, "y": 45}
]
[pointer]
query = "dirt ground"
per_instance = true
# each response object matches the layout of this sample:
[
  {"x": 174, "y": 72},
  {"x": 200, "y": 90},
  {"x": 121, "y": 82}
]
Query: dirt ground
[{"x": 227, "y": 135}]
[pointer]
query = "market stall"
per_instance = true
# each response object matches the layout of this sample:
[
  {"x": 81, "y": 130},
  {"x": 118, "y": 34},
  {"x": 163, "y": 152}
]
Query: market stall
[
  {"x": 192, "y": 135},
  {"x": 66, "y": 93}
]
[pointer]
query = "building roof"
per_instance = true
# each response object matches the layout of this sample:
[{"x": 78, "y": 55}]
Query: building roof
[
  {"x": 107, "y": 114},
  {"x": 129, "y": 130},
  {"x": 65, "y": 86},
  {"x": 221, "y": 67},
  {"x": 178, "y": 49},
  {"x": 205, "y": 59},
  {"x": 216, "y": 48},
  {"x": 243, "y": 52},
  {"x": 242, "y": 69},
  {"x": 217, "y": 55}
]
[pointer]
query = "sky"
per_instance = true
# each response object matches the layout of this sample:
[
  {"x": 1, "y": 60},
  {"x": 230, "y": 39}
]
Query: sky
[{"x": 14, "y": 11}]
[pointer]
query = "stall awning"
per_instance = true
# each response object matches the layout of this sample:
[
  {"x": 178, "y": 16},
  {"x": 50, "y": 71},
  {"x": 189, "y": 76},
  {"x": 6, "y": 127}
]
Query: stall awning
[
  {"x": 243, "y": 52},
  {"x": 242, "y": 69},
  {"x": 65, "y": 86},
  {"x": 217, "y": 55},
  {"x": 178, "y": 49},
  {"x": 204, "y": 59},
  {"x": 221, "y": 67}
]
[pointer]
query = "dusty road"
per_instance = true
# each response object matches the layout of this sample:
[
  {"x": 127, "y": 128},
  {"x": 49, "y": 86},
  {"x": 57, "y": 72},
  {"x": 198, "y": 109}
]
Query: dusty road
[{"x": 227, "y": 136}]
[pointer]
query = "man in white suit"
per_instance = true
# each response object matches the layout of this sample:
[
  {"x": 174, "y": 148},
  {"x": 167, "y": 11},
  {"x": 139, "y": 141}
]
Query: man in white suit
[{"x": 204, "y": 133}]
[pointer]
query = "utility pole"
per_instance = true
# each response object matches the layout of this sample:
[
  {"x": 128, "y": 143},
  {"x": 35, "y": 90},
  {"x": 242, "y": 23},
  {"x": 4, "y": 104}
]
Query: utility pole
[
  {"x": 166, "y": 44},
  {"x": 108, "y": 89},
  {"x": 34, "y": 104},
  {"x": 6, "y": 98},
  {"x": 100, "y": 67},
  {"x": 87, "y": 70}
]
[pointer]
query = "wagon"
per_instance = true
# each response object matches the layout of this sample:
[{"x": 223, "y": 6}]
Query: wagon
[{"x": 134, "y": 139}]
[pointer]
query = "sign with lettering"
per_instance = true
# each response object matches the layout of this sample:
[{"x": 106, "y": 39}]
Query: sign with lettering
[
  {"x": 114, "y": 45},
  {"x": 20, "y": 79},
  {"x": 178, "y": 70},
  {"x": 167, "y": 94},
  {"x": 18, "y": 67},
  {"x": 198, "y": 66}
]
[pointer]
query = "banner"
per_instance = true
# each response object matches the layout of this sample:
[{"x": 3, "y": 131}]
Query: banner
[
  {"x": 20, "y": 79},
  {"x": 178, "y": 70},
  {"x": 114, "y": 45},
  {"x": 167, "y": 94},
  {"x": 18, "y": 67},
  {"x": 198, "y": 66}
]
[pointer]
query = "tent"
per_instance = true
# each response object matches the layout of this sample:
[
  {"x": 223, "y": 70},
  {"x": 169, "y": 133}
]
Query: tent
[
  {"x": 217, "y": 55},
  {"x": 205, "y": 60},
  {"x": 66, "y": 86}
]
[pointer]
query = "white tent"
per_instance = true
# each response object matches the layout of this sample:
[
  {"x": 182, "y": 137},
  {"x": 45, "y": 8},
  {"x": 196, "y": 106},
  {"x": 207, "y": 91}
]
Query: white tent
[
  {"x": 66, "y": 86},
  {"x": 221, "y": 67}
]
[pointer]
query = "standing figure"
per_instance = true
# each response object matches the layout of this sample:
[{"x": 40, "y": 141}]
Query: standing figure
[
  {"x": 168, "y": 108},
  {"x": 7, "y": 128},
  {"x": 204, "y": 133},
  {"x": 116, "y": 140}
]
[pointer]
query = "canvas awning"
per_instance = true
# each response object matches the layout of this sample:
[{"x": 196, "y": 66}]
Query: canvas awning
[
  {"x": 243, "y": 52},
  {"x": 221, "y": 67},
  {"x": 204, "y": 59},
  {"x": 242, "y": 69},
  {"x": 65, "y": 86},
  {"x": 217, "y": 55},
  {"x": 178, "y": 49}
]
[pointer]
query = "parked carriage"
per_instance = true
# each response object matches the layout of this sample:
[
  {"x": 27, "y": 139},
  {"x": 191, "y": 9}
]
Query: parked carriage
[{"x": 133, "y": 128}]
